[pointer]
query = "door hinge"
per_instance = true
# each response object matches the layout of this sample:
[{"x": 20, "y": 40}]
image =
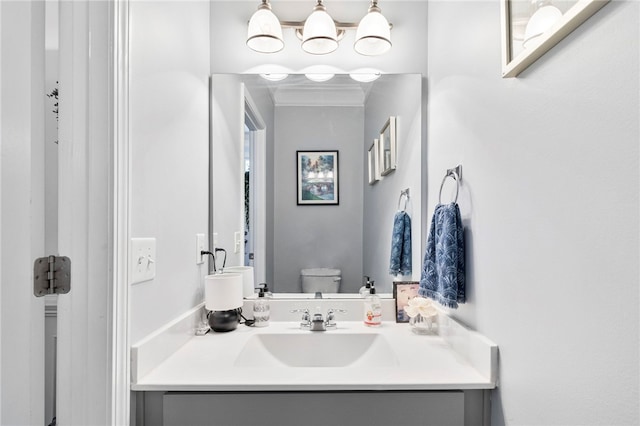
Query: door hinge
[{"x": 51, "y": 275}]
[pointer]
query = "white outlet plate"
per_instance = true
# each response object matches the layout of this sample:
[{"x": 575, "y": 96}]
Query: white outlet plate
[
  {"x": 142, "y": 260},
  {"x": 215, "y": 240},
  {"x": 199, "y": 249}
]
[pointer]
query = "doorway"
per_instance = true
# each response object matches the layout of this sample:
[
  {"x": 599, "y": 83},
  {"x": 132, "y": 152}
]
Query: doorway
[{"x": 255, "y": 189}]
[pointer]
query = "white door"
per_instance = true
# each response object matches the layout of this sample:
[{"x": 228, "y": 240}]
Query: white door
[
  {"x": 92, "y": 378},
  {"x": 22, "y": 212}
]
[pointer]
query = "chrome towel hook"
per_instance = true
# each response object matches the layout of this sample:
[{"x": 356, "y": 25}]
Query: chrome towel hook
[{"x": 456, "y": 174}]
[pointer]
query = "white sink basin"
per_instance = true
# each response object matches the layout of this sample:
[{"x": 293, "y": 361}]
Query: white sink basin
[{"x": 316, "y": 349}]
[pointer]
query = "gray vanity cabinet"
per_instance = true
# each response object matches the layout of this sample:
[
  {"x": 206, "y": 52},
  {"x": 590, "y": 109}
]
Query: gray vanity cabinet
[{"x": 346, "y": 408}]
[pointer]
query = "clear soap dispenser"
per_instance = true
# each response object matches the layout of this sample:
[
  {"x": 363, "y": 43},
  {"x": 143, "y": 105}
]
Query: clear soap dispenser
[
  {"x": 372, "y": 308},
  {"x": 261, "y": 310}
]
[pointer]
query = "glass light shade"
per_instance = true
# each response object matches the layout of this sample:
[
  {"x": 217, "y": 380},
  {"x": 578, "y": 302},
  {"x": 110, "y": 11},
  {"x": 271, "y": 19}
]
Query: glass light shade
[
  {"x": 373, "y": 36},
  {"x": 540, "y": 22},
  {"x": 265, "y": 32},
  {"x": 319, "y": 35},
  {"x": 274, "y": 76},
  {"x": 365, "y": 77},
  {"x": 223, "y": 292},
  {"x": 319, "y": 77}
]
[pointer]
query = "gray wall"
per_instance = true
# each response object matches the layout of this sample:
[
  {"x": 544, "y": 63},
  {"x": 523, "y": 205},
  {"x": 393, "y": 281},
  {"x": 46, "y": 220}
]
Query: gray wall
[
  {"x": 312, "y": 236},
  {"x": 550, "y": 203}
]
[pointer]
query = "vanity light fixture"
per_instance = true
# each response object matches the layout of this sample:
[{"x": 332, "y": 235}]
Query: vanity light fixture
[{"x": 319, "y": 33}]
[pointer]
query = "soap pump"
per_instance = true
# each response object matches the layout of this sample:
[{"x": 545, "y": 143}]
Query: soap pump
[
  {"x": 265, "y": 288},
  {"x": 364, "y": 290},
  {"x": 372, "y": 308},
  {"x": 261, "y": 309}
]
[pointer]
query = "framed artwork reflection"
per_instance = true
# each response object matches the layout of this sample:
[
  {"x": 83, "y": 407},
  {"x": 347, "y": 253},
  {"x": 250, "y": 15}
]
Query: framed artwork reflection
[{"x": 317, "y": 177}]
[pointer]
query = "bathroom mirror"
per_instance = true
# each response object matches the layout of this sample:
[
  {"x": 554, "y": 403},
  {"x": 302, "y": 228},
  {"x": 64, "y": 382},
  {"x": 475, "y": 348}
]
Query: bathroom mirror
[{"x": 258, "y": 125}]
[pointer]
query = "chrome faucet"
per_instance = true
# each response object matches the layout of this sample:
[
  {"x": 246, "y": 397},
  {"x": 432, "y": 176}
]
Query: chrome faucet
[{"x": 318, "y": 323}]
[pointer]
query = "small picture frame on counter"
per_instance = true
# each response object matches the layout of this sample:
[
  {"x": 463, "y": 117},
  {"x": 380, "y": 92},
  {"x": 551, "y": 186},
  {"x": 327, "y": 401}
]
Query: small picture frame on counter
[{"x": 403, "y": 291}]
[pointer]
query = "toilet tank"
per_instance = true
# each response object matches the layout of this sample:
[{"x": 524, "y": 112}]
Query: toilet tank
[{"x": 324, "y": 280}]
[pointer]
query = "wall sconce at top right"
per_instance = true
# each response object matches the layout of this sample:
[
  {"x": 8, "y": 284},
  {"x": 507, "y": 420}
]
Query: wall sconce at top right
[{"x": 530, "y": 28}]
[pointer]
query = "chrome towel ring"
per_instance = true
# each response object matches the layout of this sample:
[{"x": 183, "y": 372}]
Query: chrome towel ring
[{"x": 456, "y": 174}]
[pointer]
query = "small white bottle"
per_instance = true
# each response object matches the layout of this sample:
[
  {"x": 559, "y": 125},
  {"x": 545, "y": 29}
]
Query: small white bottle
[
  {"x": 261, "y": 310},
  {"x": 372, "y": 309}
]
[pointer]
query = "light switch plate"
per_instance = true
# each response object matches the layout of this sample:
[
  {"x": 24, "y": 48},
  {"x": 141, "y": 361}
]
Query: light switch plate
[
  {"x": 199, "y": 249},
  {"x": 142, "y": 260}
]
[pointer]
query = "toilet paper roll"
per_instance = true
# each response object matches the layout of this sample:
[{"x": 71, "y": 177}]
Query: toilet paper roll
[{"x": 248, "y": 282}]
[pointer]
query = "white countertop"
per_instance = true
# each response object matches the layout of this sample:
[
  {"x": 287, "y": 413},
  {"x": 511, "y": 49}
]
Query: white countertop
[{"x": 458, "y": 359}]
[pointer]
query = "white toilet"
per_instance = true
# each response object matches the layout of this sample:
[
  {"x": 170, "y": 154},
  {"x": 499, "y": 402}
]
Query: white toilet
[{"x": 324, "y": 280}]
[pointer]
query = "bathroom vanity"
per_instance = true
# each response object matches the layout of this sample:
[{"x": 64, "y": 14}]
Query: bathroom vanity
[{"x": 285, "y": 375}]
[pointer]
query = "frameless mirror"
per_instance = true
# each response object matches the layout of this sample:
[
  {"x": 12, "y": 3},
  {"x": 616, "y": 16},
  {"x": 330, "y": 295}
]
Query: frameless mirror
[{"x": 257, "y": 128}]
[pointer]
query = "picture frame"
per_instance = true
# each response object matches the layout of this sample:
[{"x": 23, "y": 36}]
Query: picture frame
[
  {"x": 317, "y": 178},
  {"x": 517, "y": 14},
  {"x": 373, "y": 162},
  {"x": 403, "y": 291},
  {"x": 388, "y": 147}
]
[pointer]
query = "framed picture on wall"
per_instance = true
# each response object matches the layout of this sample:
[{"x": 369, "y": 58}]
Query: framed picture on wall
[
  {"x": 373, "y": 163},
  {"x": 388, "y": 147},
  {"x": 530, "y": 29},
  {"x": 403, "y": 291},
  {"x": 317, "y": 177}
]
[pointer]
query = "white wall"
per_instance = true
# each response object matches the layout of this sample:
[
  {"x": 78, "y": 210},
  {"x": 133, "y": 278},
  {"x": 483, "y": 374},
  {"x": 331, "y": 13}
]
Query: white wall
[
  {"x": 400, "y": 97},
  {"x": 550, "y": 205},
  {"x": 169, "y": 69},
  {"x": 310, "y": 236}
]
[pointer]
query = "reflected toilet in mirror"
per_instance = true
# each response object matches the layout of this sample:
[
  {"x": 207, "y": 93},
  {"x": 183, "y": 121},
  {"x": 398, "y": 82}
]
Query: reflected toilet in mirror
[{"x": 320, "y": 280}]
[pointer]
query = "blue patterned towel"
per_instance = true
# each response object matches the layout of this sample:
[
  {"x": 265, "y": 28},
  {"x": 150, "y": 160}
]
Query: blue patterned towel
[
  {"x": 442, "y": 276},
  {"x": 400, "y": 262}
]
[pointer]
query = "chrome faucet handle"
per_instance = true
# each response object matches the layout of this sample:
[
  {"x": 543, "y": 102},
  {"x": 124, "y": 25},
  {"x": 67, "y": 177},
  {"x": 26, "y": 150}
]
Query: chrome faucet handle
[
  {"x": 331, "y": 317},
  {"x": 305, "y": 322}
]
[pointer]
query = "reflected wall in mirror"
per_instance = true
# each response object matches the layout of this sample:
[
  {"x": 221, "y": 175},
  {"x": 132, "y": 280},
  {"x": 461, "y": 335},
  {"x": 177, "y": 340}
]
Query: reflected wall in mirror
[{"x": 282, "y": 238}]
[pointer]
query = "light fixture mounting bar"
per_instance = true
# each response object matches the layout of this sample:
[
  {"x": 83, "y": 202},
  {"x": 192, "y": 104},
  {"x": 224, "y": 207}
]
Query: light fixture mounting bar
[{"x": 299, "y": 25}]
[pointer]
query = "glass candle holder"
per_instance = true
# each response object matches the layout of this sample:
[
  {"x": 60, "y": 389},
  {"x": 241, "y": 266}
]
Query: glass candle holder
[{"x": 423, "y": 325}]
